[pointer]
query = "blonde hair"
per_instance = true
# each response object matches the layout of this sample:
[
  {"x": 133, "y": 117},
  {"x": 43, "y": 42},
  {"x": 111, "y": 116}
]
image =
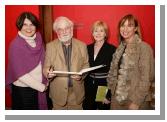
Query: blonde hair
[
  {"x": 100, "y": 24},
  {"x": 131, "y": 20},
  {"x": 59, "y": 20}
]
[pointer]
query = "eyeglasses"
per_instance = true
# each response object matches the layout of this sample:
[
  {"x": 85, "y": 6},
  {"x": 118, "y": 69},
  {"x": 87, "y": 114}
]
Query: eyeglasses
[{"x": 64, "y": 30}]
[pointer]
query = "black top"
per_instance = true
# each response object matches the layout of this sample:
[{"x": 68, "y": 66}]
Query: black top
[
  {"x": 103, "y": 57},
  {"x": 91, "y": 84}
]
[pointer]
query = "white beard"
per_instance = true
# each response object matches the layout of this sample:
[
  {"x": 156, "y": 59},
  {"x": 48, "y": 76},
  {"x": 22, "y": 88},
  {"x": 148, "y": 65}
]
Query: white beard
[{"x": 65, "y": 38}]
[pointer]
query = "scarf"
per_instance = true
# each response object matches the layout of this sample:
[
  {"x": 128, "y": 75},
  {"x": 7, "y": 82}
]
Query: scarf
[
  {"x": 22, "y": 59},
  {"x": 29, "y": 40}
]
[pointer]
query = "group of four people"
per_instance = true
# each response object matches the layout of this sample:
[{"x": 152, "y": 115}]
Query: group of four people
[{"x": 128, "y": 73}]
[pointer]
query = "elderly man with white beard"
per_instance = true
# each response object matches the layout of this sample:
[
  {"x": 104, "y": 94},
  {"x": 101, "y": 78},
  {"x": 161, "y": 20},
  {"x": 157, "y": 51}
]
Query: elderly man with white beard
[{"x": 65, "y": 54}]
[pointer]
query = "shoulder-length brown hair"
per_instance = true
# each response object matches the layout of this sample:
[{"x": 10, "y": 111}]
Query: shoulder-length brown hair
[{"x": 131, "y": 20}]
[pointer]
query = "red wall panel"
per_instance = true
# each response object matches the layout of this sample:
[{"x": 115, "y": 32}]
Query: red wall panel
[{"x": 84, "y": 15}]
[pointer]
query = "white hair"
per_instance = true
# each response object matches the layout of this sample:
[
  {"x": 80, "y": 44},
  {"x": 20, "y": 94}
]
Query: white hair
[{"x": 59, "y": 20}]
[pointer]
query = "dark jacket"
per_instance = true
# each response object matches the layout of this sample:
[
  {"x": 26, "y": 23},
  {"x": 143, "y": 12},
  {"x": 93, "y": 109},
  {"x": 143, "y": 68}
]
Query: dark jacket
[
  {"x": 91, "y": 84},
  {"x": 104, "y": 57}
]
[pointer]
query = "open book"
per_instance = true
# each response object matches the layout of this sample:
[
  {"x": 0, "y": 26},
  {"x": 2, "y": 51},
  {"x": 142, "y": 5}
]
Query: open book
[{"x": 81, "y": 72}]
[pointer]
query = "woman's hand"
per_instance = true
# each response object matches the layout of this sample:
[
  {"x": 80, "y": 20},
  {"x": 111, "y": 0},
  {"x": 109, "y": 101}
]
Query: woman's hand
[
  {"x": 133, "y": 106},
  {"x": 106, "y": 101},
  {"x": 46, "y": 87}
]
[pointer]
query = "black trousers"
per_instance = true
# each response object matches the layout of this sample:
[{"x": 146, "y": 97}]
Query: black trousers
[
  {"x": 24, "y": 98},
  {"x": 91, "y": 86}
]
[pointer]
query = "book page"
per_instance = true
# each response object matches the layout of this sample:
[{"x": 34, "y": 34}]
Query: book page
[
  {"x": 81, "y": 72},
  {"x": 91, "y": 68},
  {"x": 65, "y": 72}
]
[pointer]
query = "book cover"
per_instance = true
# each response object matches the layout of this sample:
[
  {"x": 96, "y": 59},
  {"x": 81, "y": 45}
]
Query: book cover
[{"x": 101, "y": 93}]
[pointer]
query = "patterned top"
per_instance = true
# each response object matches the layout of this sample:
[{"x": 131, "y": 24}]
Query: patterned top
[{"x": 131, "y": 72}]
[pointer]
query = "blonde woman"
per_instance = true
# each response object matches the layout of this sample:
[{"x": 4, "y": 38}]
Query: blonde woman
[{"x": 100, "y": 52}]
